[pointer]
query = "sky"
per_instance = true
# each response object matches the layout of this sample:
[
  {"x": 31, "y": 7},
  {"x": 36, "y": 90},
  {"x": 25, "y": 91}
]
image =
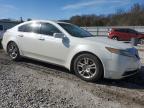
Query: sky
[{"x": 61, "y": 9}]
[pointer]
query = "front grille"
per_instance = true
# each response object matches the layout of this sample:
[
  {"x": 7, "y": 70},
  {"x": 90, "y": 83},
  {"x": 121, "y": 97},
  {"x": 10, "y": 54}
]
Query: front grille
[{"x": 130, "y": 72}]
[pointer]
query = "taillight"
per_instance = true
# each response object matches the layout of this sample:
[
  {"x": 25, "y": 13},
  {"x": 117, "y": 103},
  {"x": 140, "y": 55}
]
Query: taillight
[{"x": 109, "y": 32}]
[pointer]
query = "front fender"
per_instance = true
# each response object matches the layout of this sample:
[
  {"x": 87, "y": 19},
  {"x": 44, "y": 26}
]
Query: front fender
[{"x": 97, "y": 51}]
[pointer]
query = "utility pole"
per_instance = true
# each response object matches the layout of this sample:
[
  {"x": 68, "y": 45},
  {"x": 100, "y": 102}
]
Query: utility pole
[{"x": 21, "y": 19}]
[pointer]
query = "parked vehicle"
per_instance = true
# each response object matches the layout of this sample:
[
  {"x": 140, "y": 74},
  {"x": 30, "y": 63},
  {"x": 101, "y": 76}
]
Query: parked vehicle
[
  {"x": 91, "y": 58},
  {"x": 1, "y": 31},
  {"x": 124, "y": 34}
]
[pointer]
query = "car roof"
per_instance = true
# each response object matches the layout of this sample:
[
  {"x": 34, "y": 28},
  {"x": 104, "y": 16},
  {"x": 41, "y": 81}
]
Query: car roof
[
  {"x": 44, "y": 21},
  {"x": 48, "y": 21},
  {"x": 122, "y": 29}
]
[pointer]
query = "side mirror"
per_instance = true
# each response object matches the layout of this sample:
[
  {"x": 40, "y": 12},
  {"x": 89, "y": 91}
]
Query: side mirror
[{"x": 58, "y": 35}]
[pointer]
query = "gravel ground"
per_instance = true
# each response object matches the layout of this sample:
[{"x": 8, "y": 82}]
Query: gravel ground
[{"x": 33, "y": 84}]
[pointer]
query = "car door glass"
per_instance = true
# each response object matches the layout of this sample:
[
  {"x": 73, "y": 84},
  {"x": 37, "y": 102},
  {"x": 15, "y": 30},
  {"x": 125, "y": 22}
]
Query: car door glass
[
  {"x": 49, "y": 29},
  {"x": 22, "y": 28},
  {"x": 122, "y": 30},
  {"x": 31, "y": 27}
]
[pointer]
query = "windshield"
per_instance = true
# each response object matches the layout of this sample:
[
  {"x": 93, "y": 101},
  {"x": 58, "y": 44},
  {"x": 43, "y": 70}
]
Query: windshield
[{"x": 75, "y": 30}]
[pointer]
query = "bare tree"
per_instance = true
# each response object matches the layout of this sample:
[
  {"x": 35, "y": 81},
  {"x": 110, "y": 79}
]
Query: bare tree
[{"x": 132, "y": 17}]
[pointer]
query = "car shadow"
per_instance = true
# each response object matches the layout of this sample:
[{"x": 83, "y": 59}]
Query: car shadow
[
  {"x": 133, "y": 82},
  {"x": 45, "y": 65}
]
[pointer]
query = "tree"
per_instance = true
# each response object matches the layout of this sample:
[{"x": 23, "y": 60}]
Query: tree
[{"x": 132, "y": 17}]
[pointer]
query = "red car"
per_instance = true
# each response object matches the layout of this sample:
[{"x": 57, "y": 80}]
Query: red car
[{"x": 123, "y": 34}]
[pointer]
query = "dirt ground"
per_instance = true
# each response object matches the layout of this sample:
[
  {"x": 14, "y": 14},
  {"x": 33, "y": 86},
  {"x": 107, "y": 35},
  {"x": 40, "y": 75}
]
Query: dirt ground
[{"x": 33, "y": 84}]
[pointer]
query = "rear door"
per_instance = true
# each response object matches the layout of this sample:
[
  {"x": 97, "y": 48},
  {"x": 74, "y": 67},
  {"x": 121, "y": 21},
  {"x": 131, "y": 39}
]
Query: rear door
[
  {"x": 122, "y": 34},
  {"x": 29, "y": 39},
  {"x": 132, "y": 34}
]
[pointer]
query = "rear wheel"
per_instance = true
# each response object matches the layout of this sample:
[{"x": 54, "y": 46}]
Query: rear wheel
[
  {"x": 115, "y": 38},
  {"x": 88, "y": 67},
  {"x": 13, "y": 51}
]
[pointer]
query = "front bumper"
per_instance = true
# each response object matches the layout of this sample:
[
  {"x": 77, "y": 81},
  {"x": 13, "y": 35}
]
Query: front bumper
[
  {"x": 129, "y": 73},
  {"x": 121, "y": 66}
]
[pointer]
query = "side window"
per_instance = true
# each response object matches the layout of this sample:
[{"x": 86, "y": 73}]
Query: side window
[
  {"x": 125, "y": 30},
  {"x": 22, "y": 28},
  {"x": 31, "y": 27},
  {"x": 49, "y": 29},
  {"x": 1, "y": 27},
  {"x": 132, "y": 31},
  {"x": 121, "y": 30}
]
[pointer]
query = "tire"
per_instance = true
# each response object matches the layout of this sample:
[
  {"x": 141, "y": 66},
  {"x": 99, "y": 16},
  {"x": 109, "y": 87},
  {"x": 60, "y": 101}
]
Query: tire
[
  {"x": 13, "y": 51},
  {"x": 115, "y": 38},
  {"x": 88, "y": 67},
  {"x": 141, "y": 41}
]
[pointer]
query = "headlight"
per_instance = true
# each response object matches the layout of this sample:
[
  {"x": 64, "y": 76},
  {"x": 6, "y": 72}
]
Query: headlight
[{"x": 120, "y": 52}]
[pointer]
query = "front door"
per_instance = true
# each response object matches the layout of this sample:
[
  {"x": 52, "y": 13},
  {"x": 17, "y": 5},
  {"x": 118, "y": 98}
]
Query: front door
[{"x": 53, "y": 49}]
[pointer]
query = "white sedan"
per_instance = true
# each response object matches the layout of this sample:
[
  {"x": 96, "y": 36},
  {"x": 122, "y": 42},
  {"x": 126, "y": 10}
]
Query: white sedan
[{"x": 60, "y": 43}]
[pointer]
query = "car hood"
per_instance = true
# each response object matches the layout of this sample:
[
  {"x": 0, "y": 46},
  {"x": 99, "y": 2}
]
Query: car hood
[{"x": 109, "y": 42}]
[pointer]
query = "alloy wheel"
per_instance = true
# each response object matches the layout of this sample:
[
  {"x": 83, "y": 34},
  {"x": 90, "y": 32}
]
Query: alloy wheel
[
  {"x": 86, "y": 67},
  {"x": 13, "y": 50}
]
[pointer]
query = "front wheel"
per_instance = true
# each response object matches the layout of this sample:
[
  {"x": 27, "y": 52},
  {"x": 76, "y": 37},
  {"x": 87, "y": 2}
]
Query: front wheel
[
  {"x": 13, "y": 51},
  {"x": 88, "y": 67}
]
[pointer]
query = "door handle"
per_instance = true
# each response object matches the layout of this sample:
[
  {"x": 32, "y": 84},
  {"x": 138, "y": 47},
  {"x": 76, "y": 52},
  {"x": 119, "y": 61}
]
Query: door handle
[
  {"x": 21, "y": 35},
  {"x": 42, "y": 39}
]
